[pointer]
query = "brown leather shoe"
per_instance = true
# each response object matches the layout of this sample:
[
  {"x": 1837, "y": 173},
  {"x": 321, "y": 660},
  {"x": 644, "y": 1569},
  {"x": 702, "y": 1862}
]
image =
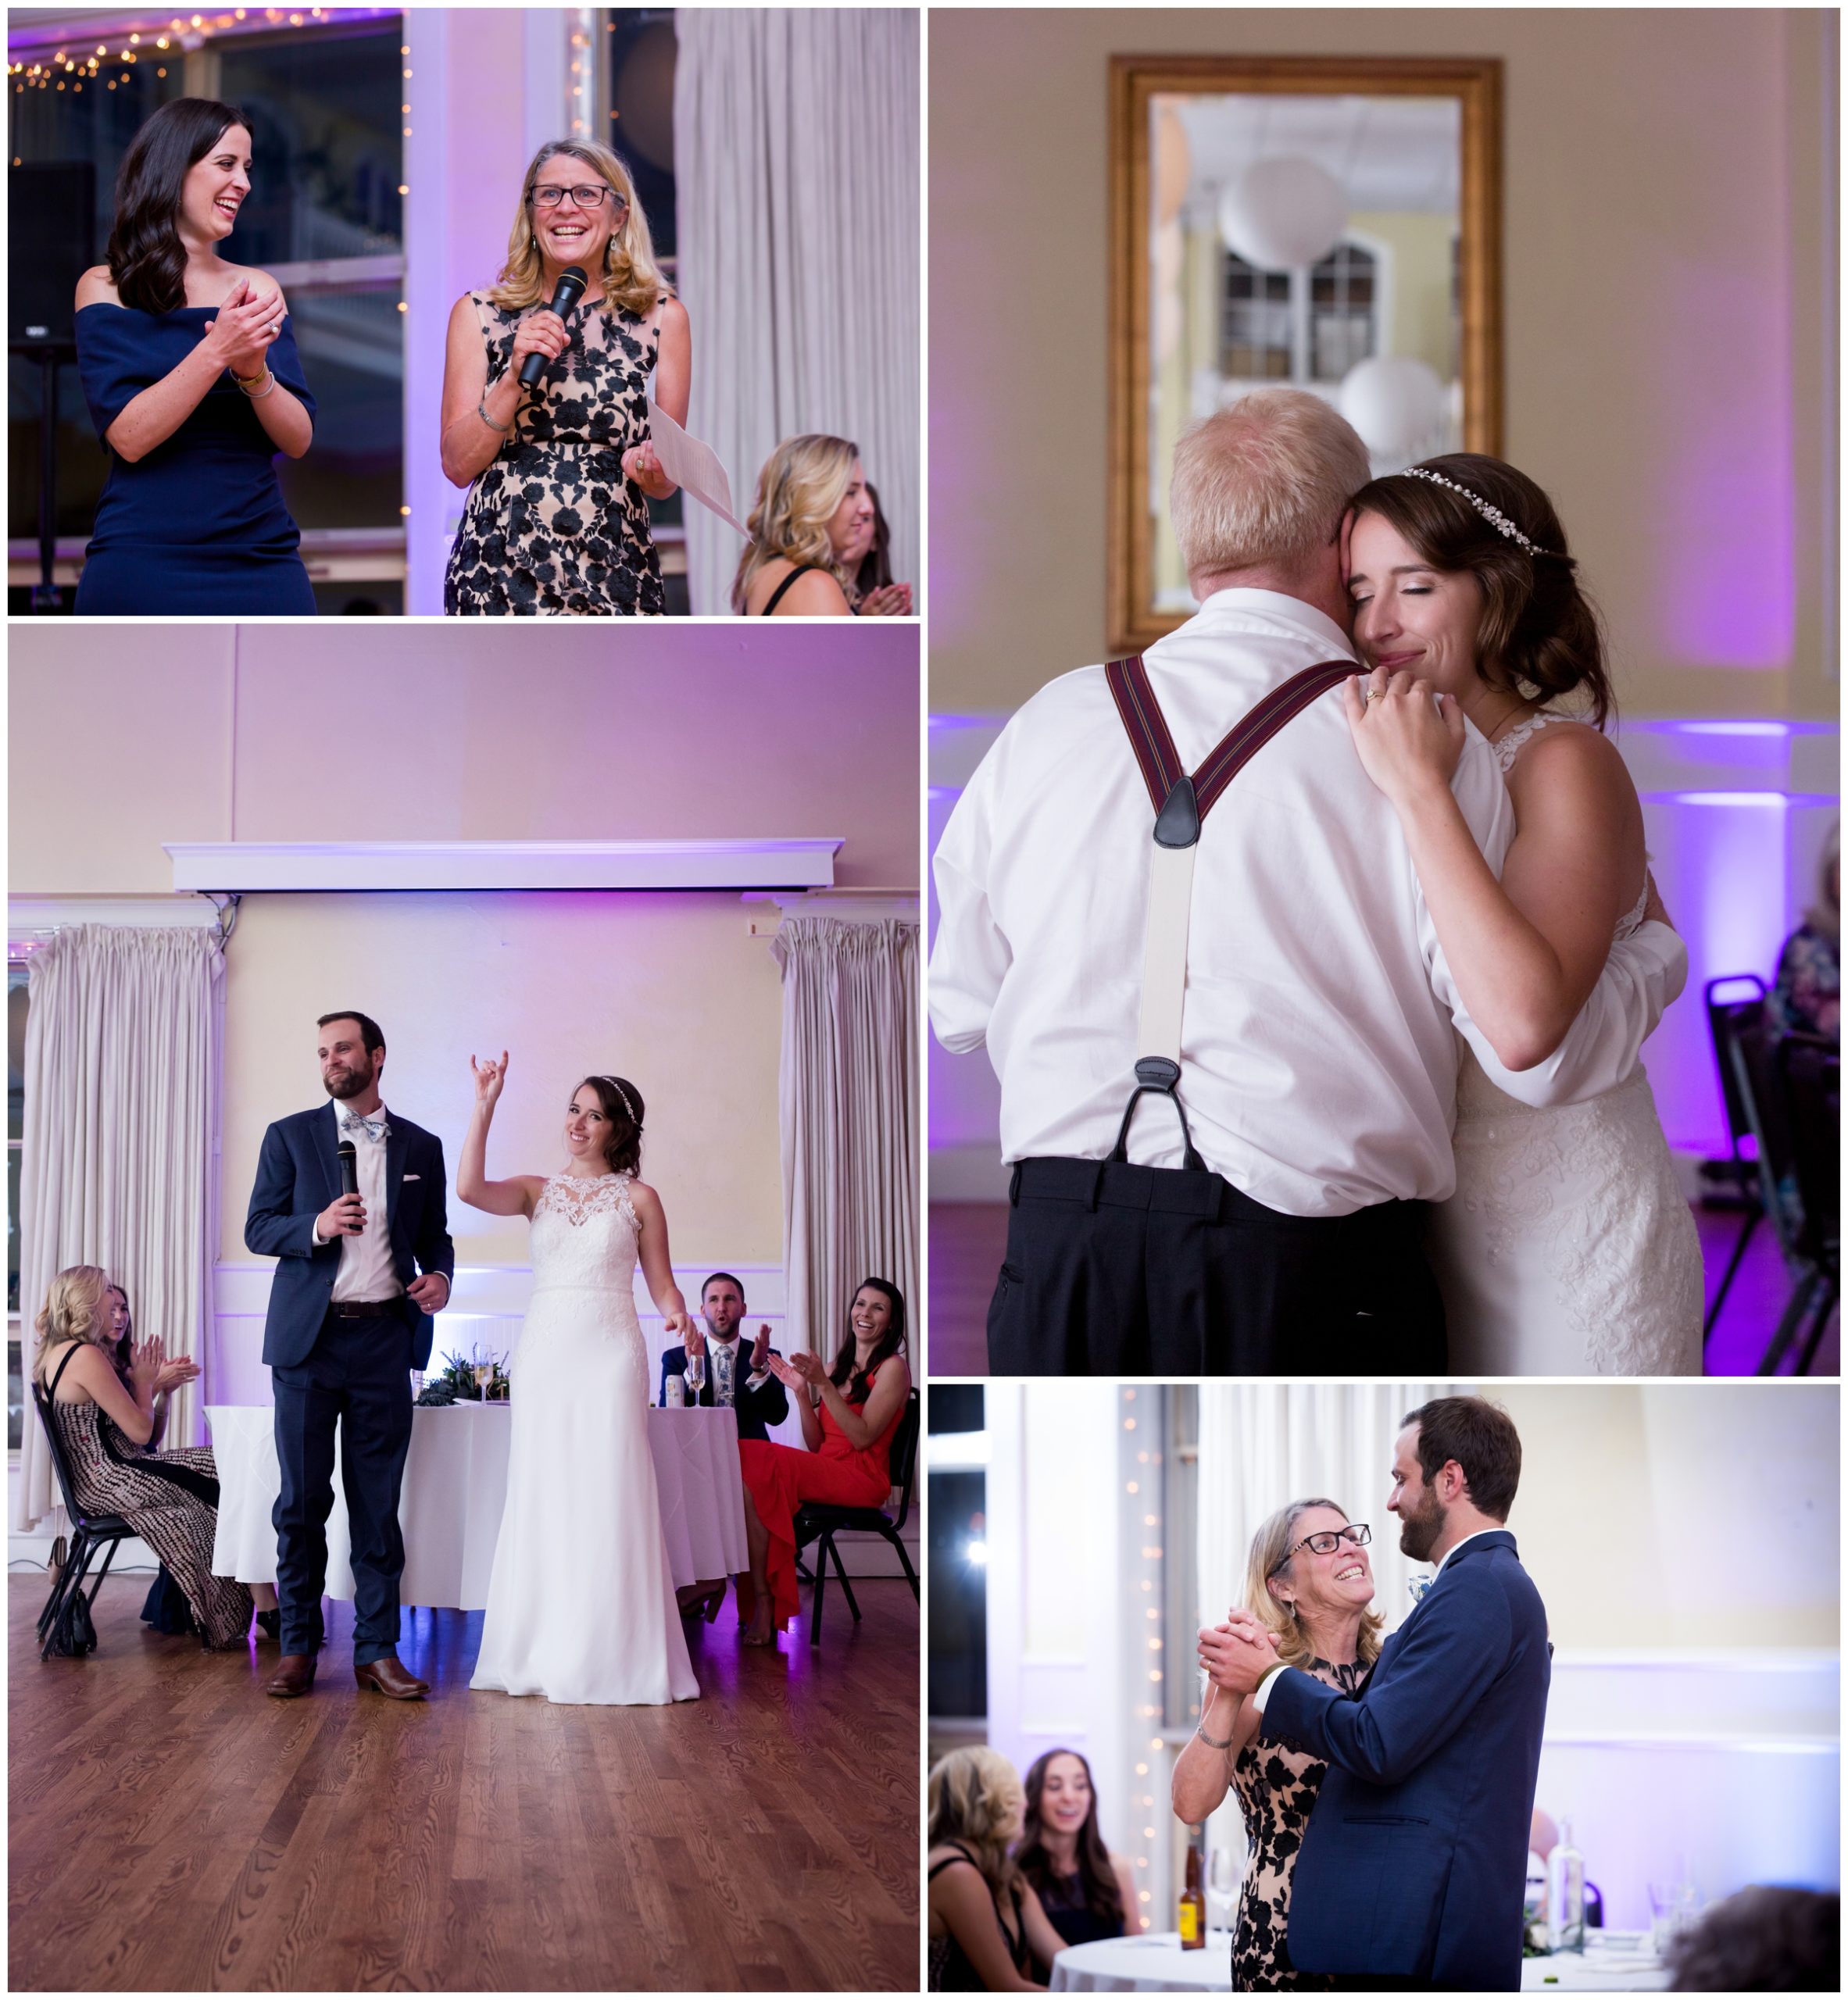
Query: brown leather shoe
[
  {"x": 390, "y": 1676},
  {"x": 294, "y": 1675}
]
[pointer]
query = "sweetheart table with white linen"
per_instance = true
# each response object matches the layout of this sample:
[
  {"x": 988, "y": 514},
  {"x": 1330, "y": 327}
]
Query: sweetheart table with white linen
[
  {"x": 1612, "y": 1962},
  {"x": 455, "y": 1487}
]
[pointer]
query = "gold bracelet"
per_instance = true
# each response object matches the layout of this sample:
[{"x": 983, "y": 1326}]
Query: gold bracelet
[{"x": 256, "y": 395}]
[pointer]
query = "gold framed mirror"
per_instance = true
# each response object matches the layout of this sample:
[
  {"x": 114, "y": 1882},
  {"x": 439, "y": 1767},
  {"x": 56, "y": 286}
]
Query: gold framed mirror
[{"x": 1331, "y": 223}]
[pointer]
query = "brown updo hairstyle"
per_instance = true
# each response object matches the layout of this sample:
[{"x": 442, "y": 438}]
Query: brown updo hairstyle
[
  {"x": 622, "y": 1150},
  {"x": 1540, "y": 635}
]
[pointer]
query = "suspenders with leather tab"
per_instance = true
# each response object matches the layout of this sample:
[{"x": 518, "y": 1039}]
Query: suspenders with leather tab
[{"x": 1182, "y": 802}]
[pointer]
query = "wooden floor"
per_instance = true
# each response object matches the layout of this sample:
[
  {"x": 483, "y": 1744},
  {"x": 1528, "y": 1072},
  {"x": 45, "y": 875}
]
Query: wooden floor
[
  {"x": 968, "y": 1239},
  {"x": 172, "y": 1829}
]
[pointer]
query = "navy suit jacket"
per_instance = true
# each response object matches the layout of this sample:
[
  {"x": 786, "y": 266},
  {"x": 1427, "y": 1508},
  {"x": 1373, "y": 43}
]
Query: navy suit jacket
[
  {"x": 757, "y": 1409},
  {"x": 1414, "y": 1861},
  {"x": 298, "y": 1174}
]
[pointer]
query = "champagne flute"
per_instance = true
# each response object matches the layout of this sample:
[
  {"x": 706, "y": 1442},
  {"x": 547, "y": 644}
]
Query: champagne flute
[{"x": 1222, "y": 1879}]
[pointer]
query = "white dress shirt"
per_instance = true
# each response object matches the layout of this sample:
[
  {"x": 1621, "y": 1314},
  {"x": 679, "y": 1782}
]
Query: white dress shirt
[
  {"x": 1318, "y": 1062},
  {"x": 367, "y": 1269}
]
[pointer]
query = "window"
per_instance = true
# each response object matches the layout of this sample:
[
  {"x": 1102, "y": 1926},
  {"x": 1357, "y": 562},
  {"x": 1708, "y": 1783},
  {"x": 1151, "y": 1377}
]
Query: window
[
  {"x": 1255, "y": 343},
  {"x": 325, "y": 217},
  {"x": 956, "y": 1559},
  {"x": 1342, "y": 300},
  {"x": 17, "y": 1003},
  {"x": 1296, "y": 325}
]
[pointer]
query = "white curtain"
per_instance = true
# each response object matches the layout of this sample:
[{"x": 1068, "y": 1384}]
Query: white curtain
[
  {"x": 116, "y": 1167},
  {"x": 1264, "y": 1444},
  {"x": 847, "y": 1092},
  {"x": 795, "y": 149}
]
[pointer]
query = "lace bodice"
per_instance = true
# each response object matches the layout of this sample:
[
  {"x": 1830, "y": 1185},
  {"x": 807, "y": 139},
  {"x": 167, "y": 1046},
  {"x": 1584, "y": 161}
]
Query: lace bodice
[
  {"x": 1508, "y": 748},
  {"x": 585, "y": 1233}
]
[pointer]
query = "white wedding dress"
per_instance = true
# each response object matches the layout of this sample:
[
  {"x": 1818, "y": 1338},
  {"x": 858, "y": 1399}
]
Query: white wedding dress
[
  {"x": 1568, "y": 1247},
  {"x": 580, "y": 1603}
]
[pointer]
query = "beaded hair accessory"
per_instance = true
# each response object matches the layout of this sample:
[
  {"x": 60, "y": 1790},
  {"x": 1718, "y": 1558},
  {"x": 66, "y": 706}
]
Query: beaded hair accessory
[
  {"x": 1493, "y": 515},
  {"x": 624, "y": 1095}
]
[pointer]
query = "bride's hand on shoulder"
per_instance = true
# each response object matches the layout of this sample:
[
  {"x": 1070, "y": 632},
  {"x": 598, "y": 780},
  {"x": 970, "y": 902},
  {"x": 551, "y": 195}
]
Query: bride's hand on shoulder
[
  {"x": 490, "y": 1077},
  {"x": 1655, "y": 910},
  {"x": 1407, "y": 737}
]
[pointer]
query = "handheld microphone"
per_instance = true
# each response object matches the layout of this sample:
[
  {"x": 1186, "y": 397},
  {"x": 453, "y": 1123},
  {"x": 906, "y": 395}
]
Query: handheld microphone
[
  {"x": 571, "y": 282},
  {"x": 349, "y": 1167}
]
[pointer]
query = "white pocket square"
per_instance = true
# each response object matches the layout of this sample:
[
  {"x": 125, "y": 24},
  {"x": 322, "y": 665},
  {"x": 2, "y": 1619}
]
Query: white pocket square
[{"x": 414, "y": 1176}]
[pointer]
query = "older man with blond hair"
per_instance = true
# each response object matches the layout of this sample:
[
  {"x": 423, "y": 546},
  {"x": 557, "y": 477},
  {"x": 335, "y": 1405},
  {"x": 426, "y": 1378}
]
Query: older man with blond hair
[{"x": 1170, "y": 890}]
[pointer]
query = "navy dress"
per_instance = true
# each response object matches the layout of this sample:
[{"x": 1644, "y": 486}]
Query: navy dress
[{"x": 197, "y": 528}]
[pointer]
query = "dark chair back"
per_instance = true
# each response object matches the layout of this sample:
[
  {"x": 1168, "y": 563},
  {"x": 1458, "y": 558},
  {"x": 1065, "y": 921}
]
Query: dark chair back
[
  {"x": 1726, "y": 1020},
  {"x": 1810, "y": 1070},
  {"x": 1757, "y": 1069},
  {"x": 60, "y": 1464},
  {"x": 904, "y": 1455}
]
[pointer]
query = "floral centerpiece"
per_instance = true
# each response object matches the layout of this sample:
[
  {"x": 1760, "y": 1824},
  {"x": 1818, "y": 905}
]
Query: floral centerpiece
[{"x": 481, "y": 1380}]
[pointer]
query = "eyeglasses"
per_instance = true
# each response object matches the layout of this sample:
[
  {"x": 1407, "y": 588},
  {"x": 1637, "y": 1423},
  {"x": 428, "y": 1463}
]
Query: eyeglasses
[
  {"x": 585, "y": 197},
  {"x": 1329, "y": 1540}
]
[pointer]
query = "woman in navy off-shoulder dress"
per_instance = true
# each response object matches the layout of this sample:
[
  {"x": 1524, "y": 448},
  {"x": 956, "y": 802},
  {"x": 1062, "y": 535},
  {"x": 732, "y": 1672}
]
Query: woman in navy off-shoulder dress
[{"x": 194, "y": 383}]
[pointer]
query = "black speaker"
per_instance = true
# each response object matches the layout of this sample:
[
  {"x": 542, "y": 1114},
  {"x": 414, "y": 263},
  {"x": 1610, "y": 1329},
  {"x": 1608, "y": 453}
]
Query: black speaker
[{"x": 50, "y": 217}]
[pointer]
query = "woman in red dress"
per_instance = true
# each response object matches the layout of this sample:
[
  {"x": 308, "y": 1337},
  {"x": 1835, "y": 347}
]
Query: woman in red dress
[{"x": 848, "y": 1414}]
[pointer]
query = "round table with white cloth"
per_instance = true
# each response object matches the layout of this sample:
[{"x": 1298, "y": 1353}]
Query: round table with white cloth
[
  {"x": 1612, "y": 1962},
  {"x": 455, "y": 1486}
]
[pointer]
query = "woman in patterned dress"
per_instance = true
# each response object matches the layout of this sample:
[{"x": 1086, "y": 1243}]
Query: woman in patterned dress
[
  {"x": 1309, "y": 1580},
  {"x": 560, "y": 475},
  {"x": 170, "y": 1498}
]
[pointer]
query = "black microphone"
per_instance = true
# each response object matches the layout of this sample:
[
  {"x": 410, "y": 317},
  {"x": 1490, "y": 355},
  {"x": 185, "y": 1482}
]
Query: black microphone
[
  {"x": 349, "y": 1167},
  {"x": 571, "y": 282}
]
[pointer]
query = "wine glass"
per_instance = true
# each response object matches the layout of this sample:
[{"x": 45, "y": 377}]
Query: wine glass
[
  {"x": 483, "y": 1371},
  {"x": 1222, "y": 1880}
]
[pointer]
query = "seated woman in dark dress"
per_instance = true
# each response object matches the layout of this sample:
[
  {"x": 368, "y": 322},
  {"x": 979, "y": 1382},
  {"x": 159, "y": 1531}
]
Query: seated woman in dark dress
[
  {"x": 190, "y": 369},
  {"x": 1310, "y": 1580},
  {"x": 986, "y": 1926},
  {"x": 1087, "y": 1892},
  {"x": 170, "y": 1498}
]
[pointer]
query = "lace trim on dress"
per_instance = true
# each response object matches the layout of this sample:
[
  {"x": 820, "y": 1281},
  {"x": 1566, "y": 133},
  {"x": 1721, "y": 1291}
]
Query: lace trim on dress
[{"x": 577, "y": 1198}]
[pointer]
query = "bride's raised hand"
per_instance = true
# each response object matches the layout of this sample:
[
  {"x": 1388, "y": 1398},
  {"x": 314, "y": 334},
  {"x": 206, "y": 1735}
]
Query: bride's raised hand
[
  {"x": 1407, "y": 736},
  {"x": 489, "y": 1078}
]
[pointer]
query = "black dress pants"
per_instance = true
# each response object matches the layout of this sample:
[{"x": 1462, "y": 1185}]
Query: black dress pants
[{"x": 1117, "y": 1270}]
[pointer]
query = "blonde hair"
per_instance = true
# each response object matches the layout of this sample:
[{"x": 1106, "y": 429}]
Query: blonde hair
[
  {"x": 803, "y": 480},
  {"x": 1263, "y": 483},
  {"x": 975, "y": 1799},
  {"x": 72, "y": 1311},
  {"x": 631, "y": 278},
  {"x": 1269, "y": 1546}
]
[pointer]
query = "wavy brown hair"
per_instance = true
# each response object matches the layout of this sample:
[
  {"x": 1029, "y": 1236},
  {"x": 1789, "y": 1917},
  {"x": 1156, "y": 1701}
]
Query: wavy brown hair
[
  {"x": 622, "y": 1150},
  {"x": 1267, "y": 1549},
  {"x": 852, "y": 1381},
  {"x": 1540, "y": 635},
  {"x": 631, "y": 278},
  {"x": 1104, "y": 1893},
  {"x": 146, "y": 259}
]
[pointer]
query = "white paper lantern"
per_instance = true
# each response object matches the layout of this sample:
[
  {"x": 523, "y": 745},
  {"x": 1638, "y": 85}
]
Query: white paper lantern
[
  {"x": 1281, "y": 214},
  {"x": 1397, "y": 404}
]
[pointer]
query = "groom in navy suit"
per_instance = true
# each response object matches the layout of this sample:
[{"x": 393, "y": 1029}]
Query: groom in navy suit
[
  {"x": 1412, "y": 1870},
  {"x": 357, "y": 1280}
]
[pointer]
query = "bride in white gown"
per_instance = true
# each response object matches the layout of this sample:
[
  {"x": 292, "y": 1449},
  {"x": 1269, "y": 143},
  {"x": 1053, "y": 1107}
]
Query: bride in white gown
[
  {"x": 580, "y": 1603},
  {"x": 1568, "y": 1246}
]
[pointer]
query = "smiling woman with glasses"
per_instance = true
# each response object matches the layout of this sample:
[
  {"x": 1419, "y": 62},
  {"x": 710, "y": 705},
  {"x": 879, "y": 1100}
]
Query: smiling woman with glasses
[
  {"x": 560, "y": 474},
  {"x": 1308, "y": 1579}
]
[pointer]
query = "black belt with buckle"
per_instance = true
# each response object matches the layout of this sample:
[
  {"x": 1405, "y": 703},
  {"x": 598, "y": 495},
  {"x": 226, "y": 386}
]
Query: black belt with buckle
[{"x": 362, "y": 1309}]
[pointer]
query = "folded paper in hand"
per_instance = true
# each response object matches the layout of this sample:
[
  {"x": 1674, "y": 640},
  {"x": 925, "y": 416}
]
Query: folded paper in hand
[{"x": 692, "y": 465}]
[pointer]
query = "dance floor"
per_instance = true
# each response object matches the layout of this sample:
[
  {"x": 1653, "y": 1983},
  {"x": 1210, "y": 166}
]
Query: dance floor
[
  {"x": 173, "y": 1829},
  {"x": 968, "y": 1238}
]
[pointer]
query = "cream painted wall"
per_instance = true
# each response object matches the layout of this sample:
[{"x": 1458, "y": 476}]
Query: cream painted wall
[
  {"x": 1670, "y": 278},
  {"x": 121, "y": 739},
  {"x": 1665, "y": 1515}
]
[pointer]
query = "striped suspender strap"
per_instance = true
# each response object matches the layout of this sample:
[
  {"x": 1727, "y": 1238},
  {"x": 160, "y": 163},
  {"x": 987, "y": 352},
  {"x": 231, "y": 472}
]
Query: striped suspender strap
[{"x": 1180, "y": 803}]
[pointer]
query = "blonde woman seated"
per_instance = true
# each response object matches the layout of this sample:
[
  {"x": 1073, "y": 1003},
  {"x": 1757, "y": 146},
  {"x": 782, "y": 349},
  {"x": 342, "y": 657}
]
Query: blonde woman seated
[
  {"x": 986, "y": 1924},
  {"x": 1310, "y": 1580},
  {"x": 560, "y": 475},
  {"x": 170, "y": 1498},
  {"x": 811, "y": 528}
]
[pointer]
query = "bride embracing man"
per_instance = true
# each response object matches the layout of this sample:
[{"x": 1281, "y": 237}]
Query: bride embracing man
[{"x": 1386, "y": 1779}]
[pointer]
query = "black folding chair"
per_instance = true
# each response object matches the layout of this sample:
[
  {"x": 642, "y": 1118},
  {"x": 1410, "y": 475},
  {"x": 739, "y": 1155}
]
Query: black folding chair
[
  {"x": 89, "y": 1533},
  {"x": 1789, "y": 1086},
  {"x": 1727, "y": 1020},
  {"x": 817, "y": 1521}
]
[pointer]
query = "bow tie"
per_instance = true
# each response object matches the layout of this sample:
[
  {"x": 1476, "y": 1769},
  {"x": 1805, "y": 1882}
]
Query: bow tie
[
  {"x": 1418, "y": 1586},
  {"x": 375, "y": 1129}
]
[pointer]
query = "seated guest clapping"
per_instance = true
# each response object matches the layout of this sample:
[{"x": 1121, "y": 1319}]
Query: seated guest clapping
[
  {"x": 170, "y": 1498},
  {"x": 736, "y": 1377},
  {"x": 849, "y": 1413},
  {"x": 986, "y": 1926},
  {"x": 873, "y": 592},
  {"x": 811, "y": 530},
  {"x": 1087, "y": 1892}
]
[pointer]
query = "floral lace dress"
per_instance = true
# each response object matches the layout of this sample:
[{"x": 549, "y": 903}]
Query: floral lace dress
[
  {"x": 1277, "y": 1789},
  {"x": 1568, "y": 1247},
  {"x": 551, "y": 525}
]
